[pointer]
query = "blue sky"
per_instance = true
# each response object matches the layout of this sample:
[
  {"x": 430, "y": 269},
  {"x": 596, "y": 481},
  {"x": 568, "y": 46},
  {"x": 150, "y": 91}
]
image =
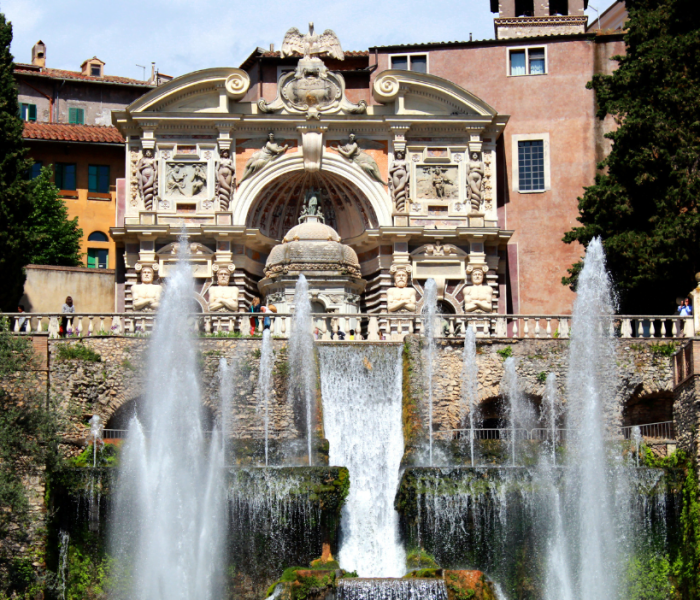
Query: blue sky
[{"x": 185, "y": 35}]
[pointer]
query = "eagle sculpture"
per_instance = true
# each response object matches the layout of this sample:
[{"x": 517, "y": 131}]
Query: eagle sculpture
[{"x": 311, "y": 45}]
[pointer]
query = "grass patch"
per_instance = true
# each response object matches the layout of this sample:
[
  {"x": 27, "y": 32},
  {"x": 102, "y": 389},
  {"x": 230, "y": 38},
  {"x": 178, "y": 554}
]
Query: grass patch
[
  {"x": 541, "y": 376},
  {"x": 77, "y": 352},
  {"x": 506, "y": 352}
]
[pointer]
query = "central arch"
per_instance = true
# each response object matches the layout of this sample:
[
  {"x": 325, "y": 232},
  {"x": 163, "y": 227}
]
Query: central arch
[{"x": 281, "y": 185}]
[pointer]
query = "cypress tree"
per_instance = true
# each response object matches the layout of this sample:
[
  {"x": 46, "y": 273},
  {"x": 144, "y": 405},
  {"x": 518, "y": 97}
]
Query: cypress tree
[
  {"x": 644, "y": 203},
  {"x": 15, "y": 201}
]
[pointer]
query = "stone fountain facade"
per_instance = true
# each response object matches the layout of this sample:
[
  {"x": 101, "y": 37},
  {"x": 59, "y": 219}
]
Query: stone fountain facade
[{"x": 406, "y": 182}]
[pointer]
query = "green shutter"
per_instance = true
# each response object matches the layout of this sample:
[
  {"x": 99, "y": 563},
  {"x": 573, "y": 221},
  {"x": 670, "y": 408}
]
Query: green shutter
[
  {"x": 32, "y": 112},
  {"x": 104, "y": 179},
  {"x": 92, "y": 179},
  {"x": 92, "y": 258},
  {"x": 76, "y": 116}
]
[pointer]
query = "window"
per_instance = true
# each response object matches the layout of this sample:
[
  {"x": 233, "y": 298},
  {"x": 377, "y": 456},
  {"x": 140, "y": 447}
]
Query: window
[
  {"x": 527, "y": 61},
  {"x": 96, "y": 70},
  {"x": 27, "y": 112},
  {"x": 76, "y": 116},
  {"x": 558, "y": 7},
  {"x": 35, "y": 169},
  {"x": 410, "y": 62},
  {"x": 524, "y": 8},
  {"x": 98, "y": 178},
  {"x": 531, "y": 166},
  {"x": 98, "y": 258},
  {"x": 65, "y": 176},
  {"x": 98, "y": 236}
]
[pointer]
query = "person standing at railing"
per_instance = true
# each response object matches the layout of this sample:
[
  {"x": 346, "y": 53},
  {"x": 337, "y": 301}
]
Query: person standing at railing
[
  {"x": 685, "y": 309},
  {"x": 21, "y": 320},
  {"x": 254, "y": 308},
  {"x": 68, "y": 309}
]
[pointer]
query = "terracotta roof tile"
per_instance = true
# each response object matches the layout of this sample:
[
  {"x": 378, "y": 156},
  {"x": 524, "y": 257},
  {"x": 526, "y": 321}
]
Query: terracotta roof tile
[
  {"x": 72, "y": 133},
  {"x": 350, "y": 53},
  {"x": 77, "y": 75}
]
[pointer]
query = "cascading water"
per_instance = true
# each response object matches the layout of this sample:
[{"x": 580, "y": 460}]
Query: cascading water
[
  {"x": 551, "y": 412},
  {"x": 470, "y": 390},
  {"x": 302, "y": 375},
  {"x": 265, "y": 386},
  {"x": 96, "y": 431},
  {"x": 519, "y": 412},
  {"x": 170, "y": 517},
  {"x": 592, "y": 523},
  {"x": 361, "y": 388},
  {"x": 226, "y": 378},
  {"x": 397, "y": 589},
  {"x": 63, "y": 544},
  {"x": 430, "y": 332}
]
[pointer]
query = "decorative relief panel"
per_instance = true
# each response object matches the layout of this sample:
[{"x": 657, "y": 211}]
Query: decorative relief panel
[
  {"x": 437, "y": 182},
  {"x": 185, "y": 179}
]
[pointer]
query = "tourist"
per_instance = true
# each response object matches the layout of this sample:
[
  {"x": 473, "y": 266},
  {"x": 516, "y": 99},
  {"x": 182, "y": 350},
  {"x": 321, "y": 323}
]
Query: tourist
[
  {"x": 352, "y": 334},
  {"x": 267, "y": 321},
  {"x": 254, "y": 308},
  {"x": 685, "y": 309},
  {"x": 22, "y": 320},
  {"x": 341, "y": 335},
  {"x": 68, "y": 309},
  {"x": 317, "y": 333}
]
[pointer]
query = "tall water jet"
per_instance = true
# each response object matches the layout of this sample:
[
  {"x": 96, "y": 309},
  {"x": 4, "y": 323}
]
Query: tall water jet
[
  {"x": 265, "y": 386},
  {"x": 361, "y": 387},
  {"x": 551, "y": 413},
  {"x": 430, "y": 332},
  {"x": 302, "y": 374},
  {"x": 226, "y": 378},
  {"x": 96, "y": 432},
  {"x": 520, "y": 414},
  {"x": 170, "y": 518},
  {"x": 593, "y": 528},
  {"x": 470, "y": 389}
]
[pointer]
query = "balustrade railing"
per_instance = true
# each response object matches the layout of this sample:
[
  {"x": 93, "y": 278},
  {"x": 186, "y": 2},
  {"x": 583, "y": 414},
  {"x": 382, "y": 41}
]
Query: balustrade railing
[{"x": 371, "y": 327}]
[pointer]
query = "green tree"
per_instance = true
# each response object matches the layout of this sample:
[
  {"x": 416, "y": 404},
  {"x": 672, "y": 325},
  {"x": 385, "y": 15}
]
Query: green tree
[
  {"x": 55, "y": 239},
  {"x": 15, "y": 202},
  {"x": 644, "y": 204}
]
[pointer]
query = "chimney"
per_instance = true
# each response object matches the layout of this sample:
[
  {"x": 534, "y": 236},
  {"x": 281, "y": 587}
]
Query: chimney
[
  {"x": 272, "y": 47},
  {"x": 39, "y": 54}
]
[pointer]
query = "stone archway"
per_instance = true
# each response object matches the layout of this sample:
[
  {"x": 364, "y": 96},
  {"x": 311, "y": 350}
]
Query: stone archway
[{"x": 347, "y": 185}]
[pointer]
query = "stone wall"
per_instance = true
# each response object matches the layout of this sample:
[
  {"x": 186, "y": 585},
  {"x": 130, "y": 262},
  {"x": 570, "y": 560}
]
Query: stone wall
[
  {"x": 642, "y": 373},
  {"x": 687, "y": 416}
]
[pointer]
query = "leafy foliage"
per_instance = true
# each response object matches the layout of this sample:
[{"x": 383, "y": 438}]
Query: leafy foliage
[
  {"x": 15, "y": 201},
  {"x": 77, "y": 352},
  {"x": 55, "y": 239},
  {"x": 645, "y": 205}
]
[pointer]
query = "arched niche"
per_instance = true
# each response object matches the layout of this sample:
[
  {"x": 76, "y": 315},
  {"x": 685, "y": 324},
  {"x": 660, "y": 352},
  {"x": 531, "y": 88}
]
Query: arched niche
[
  {"x": 338, "y": 174},
  {"x": 278, "y": 206}
]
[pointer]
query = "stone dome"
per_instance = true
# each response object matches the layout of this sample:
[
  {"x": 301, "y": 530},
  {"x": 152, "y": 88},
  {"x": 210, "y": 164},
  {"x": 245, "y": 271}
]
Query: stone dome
[{"x": 310, "y": 247}]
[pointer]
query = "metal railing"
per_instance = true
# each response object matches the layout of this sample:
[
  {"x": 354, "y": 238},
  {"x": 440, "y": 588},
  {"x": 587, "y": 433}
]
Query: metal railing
[
  {"x": 651, "y": 431},
  {"x": 366, "y": 326}
]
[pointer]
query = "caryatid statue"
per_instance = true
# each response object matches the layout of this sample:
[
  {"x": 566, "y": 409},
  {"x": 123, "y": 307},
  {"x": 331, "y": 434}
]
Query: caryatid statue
[
  {"x": 146, "y": 173},
  {"x": 146, "y": 295},
  {"x": 478, "y": 296},
  {"x": 475, "y": 181},
  {"x": 401, "y": 298},
  {"x": 262, "y": 157},
  {"x": 399, "y": 177},
  {"x": 225, "y": 180},
  {"x": 223, "y": 296}
]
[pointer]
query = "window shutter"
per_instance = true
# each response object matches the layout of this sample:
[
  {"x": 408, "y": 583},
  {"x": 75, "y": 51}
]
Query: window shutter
[
  {"x": 92, "y": 258},
  {"x": 92, "y": 178},
  {"x": 104, "y": 179},
  {"x": 32, "y": 112}
]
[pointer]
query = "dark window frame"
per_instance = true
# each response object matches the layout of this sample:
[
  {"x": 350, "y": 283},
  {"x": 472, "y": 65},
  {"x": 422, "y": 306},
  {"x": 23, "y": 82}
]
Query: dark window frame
[
  {"x": 62, "y": 179},
  {"x": 99, "y": 179},
  {"x": 531, "y": 166},
  {"x": 409, "y": 57}
]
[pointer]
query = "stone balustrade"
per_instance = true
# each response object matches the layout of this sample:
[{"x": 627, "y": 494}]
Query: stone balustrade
[{"x": 371, "y": 327}]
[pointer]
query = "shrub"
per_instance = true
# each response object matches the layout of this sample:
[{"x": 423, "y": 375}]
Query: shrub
[{"x": 77, "y": 352}]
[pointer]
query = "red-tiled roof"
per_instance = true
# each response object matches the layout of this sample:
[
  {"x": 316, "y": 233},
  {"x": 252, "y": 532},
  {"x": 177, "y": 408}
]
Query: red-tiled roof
[
  {"x": 72, "y": 133},
  {"x": 350, "y": 53},
  {"x": 77, "y": 75}
]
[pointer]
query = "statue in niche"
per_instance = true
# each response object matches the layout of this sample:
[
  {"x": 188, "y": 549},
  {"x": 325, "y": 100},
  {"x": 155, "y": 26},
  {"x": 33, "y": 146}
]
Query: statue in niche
[
  {"x": 175, "y": 182},
  {"x": 223, "y": 296},
  {"x": 475, "y": 181},
  {"x": 146, "y": 295},
  {"x": 399, "y": 179},
  {"x": 199, "y": 180},
  {"x": 401, "y": 298},
  {"x": 439, "y": 182},
  {"x": 262, "y": 157},
  {"x": 354, "y": 153},
  {"x": 225, "y": 180},
  {"x": 146, "y": 169},
  {"x": 311, "y": 207},
  {"x": 478, "y": 296}
]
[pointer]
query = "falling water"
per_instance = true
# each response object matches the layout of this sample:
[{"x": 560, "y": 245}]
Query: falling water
[
  {"x": 430, "y": 331},
  {"x": 265, "y": 386},
  {"x": 361, "y": 388},
  {"x": 637, "y": 438},
  {"x": 551, "y": 409},
  {"x": 226, "y": 378},
  {"x": 470, "y": 389},
  {"x": 594, "y": 524},
  {"x": 302, "y": 373},
  {"x": 63, "y": 544},
  {"x": 392, "y": 589},
  {"x": 96, "y": 431},
  {"x": 170, "y": 498},
  {"x": 519, "y": 411}
]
